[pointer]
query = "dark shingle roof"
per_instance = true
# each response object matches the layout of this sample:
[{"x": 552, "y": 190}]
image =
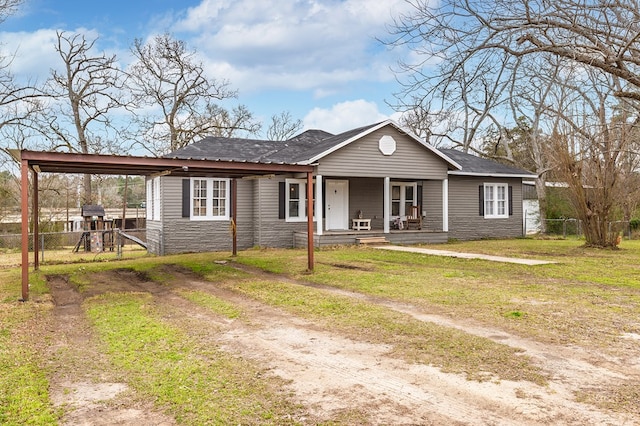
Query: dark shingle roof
[
  {"x": 228, "y": 149},
  {"x": 472, "y": 164},
  {"x": 310, "y": 144},
  {"x": 299, "y": 148}
]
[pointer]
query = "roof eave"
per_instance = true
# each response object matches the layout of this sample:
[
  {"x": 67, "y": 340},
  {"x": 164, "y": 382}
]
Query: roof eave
[{"x": 498, "y": 175}]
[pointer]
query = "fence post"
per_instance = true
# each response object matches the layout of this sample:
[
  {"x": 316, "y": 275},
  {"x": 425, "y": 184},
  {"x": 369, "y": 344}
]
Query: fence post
[
  {"x": 564, "y": 228},
  {"x": 41, "y": 247}
]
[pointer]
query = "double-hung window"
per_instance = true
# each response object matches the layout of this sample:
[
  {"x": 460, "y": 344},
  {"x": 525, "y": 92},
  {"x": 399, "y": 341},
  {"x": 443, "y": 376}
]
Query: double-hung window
[
  {"x": 296, "y": 200},
  {"x": 209, "y": 199},
  {"x": 403, "y": 196},
  {"x": 496, "y": 200}
]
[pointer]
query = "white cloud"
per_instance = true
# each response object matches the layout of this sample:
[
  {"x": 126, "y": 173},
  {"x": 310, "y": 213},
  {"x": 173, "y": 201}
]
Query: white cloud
[
  {"x": 343, "y": 116},
  {"x": 34, "y": 52},
  {"x": 312, "y": 44}
]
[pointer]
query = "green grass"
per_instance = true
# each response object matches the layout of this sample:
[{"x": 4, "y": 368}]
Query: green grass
[
  {"x": 24, "y": 397},
  {"x": 198, "y": 383},
  {"x": 212, "y": 303},
  {"x": 589, "y": 299}
]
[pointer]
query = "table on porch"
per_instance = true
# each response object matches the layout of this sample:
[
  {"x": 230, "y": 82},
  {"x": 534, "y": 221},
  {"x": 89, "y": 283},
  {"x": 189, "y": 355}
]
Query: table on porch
[{"x": 361, "y": 224}]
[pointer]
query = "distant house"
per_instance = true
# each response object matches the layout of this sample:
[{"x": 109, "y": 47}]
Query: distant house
[{"x": 370, "y": 181}]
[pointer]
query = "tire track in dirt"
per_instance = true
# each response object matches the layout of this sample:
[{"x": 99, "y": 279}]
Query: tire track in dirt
[
  {"x": 327, "y": 373},
  {"x": 573, "y": 368},
  {"x": 81, "y": 380}
]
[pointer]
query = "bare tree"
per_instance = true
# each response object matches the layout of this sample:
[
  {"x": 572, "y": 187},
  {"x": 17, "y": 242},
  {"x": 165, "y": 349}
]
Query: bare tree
[
  {"x": 18, "y": 102},
  {"x": 181, "y": 100},
  {"x": 453, "y": 103},
  {"x": 8, "y": 7},
  {"x": 592, "y": 143},
  {"x": 283, "y": 127},
  {"x": 594, "y": 33},
  {"x": 84, "y": 97},
  {"x": 502, "y": 39}
]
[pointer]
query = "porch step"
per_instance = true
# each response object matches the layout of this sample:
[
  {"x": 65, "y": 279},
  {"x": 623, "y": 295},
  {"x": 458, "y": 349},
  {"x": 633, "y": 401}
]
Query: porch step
[{"x": 372, "y": 240}]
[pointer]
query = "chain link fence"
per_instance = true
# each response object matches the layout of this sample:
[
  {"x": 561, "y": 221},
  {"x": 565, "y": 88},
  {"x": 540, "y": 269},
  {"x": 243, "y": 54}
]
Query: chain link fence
[
  {"x": 573, "y": 227},
  {"x": 61, "y": 244}
]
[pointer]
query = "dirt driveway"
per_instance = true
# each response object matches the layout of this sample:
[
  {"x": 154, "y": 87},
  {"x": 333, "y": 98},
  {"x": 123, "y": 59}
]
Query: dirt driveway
[{"x": 326, "y": 373}]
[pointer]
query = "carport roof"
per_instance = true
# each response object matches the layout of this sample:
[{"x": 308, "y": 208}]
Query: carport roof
[{"x": 59, "y": 162}]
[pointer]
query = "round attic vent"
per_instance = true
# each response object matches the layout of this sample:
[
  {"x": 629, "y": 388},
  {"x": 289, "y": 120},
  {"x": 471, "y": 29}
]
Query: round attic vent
[{"x": 387, "y": 145}]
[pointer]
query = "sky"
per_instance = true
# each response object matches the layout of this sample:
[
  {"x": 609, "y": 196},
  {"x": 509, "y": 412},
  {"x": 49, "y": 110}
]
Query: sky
[{"x": 317, "y": 59}]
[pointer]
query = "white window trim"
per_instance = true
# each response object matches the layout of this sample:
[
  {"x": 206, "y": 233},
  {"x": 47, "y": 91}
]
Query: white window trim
[
  {"x": 149, "y": 206},
  {"x": 209, "y": 200},
  {"x": 156, "y": 198},
  {"x": 303, "y": 200},
  {"x": 403, "y": 199},
  {"x": 495, "y": 187}
]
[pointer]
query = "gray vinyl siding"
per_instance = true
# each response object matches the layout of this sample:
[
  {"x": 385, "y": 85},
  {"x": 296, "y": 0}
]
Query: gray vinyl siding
[
  {"x": 154, "y": 237},
  {"x": 362, "y": 158},
  {"x": 180, "y": 234},
  {"x": 432, "y": 204},
  {"x": 465, "y": 222},
  {"x": 272, "y": 231},
  {"x": 367, "y": 195}
]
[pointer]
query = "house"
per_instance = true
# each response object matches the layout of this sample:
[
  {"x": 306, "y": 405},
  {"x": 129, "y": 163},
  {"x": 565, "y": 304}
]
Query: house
[{"x": 370, "y": 181}]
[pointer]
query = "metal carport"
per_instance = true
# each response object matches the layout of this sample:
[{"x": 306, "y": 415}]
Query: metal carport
[{"x": 57, "y": 162}]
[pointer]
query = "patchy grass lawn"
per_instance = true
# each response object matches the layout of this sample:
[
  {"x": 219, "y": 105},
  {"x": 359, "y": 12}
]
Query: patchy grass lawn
[
  {"x": 197, "y": 382},
  {"x": 591, "y": 298}
]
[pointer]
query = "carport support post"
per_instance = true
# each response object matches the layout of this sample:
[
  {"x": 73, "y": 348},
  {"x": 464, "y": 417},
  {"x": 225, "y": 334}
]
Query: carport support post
[
  {"x": 24, "y": 192},
  {"x": 310, "y": 220},
  {"x": 36, "y": 221}
]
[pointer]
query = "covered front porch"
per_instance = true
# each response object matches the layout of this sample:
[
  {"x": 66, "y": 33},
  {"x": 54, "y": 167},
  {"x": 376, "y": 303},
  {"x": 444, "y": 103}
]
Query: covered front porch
[
  {"x": 353, "y": 207},
  {"x": 350, "y": 237}
]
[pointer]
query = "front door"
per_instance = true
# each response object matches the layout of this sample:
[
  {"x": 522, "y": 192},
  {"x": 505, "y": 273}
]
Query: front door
[{"x": 337, "y": 198}]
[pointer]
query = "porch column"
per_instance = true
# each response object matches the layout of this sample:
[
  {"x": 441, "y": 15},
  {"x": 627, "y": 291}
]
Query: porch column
[
  {"x": 319, "y": 205},
  {"x": 387, "y": 205},
  {"x": 24, "y": 193},
  {"x": 445, "y": 205},
  {"x": 310, "y": 221},
  {"x": 234, "y": 216}
]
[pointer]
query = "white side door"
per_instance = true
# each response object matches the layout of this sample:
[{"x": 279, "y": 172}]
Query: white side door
[{"x": 337, "y": 198}]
